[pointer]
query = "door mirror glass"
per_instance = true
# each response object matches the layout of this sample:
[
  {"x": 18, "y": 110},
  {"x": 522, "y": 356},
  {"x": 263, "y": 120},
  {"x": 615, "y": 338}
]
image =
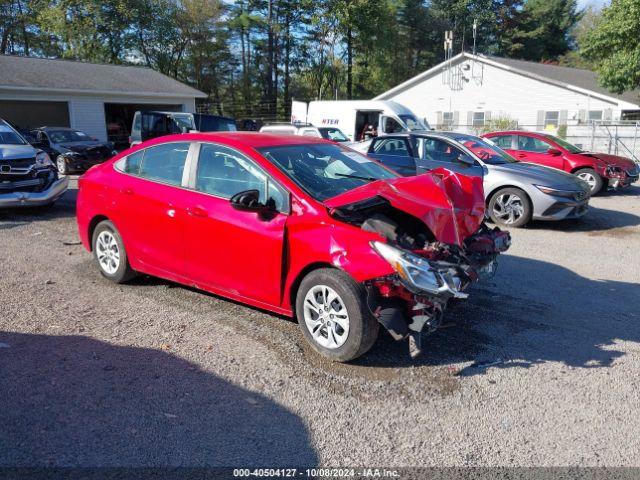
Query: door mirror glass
[
  {"x": 249, "y": 201},
  {"x": 554, "y": 151},
  {"x": 465, "y": 160}
]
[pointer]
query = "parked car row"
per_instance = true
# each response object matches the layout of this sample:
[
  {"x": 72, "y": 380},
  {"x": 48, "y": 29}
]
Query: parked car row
[
  {"x": 598, "y": 170},
  {"x": 515, "y": 192},
  {"x": 296, "y": 222}
]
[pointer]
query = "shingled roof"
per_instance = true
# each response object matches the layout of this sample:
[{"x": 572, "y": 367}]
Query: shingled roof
[
  {"x": 31, "y": 73},
  {"x": 566, "y": 77},
  {"x": 571, "y": 76}
]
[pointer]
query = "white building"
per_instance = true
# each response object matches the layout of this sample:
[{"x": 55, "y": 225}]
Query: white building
[
  {"x": 97, "y": 99},
  {"x": 469, "y": 90}
]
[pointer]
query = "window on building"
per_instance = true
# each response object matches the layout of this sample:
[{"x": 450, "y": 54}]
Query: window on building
[
  {"x": 447, "y": 119},
  {"x": 595, "y": 115},
  {"x": 478, "y": 119},
  {"x": 551, "y": 118}
]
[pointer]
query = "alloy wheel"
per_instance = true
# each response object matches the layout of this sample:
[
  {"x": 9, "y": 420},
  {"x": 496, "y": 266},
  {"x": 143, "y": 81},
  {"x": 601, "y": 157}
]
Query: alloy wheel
[
  {"x": 508, "y": 208},
  {"x": 589, "y": 178},
  {"x": 108, "y": 252},
  {"x": 326, "y": 317}
]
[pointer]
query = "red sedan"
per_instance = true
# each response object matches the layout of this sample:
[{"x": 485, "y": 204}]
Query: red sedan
[
  {"x": 293, "y": 225},
  {"x": 597, "y": 169}
]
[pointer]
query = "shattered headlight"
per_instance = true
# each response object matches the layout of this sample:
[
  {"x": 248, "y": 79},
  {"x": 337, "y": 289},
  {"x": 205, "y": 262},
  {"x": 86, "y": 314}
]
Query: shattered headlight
[
  {"x": 43, "y": 160},
  {"x": 418, "y": 273}
]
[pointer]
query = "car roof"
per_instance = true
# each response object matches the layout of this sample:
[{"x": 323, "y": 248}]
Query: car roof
[
  {"x": 430, "y": 133},
  {"x": 510, "y": 132},
  {"x": 249, "y": 139},
  {"x": 68, "y": 129}
]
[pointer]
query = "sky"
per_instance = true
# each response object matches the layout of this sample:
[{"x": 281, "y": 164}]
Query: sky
[{"x": 594, "y": 3}]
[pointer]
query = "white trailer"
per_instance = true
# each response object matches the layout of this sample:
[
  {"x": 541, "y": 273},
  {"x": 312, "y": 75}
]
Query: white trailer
[{"x": 352, "y": 116}]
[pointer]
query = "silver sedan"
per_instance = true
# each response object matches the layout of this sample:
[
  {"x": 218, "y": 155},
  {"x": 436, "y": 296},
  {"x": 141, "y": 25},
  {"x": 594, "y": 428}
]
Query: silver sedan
[{"x": 516, "y": 192}]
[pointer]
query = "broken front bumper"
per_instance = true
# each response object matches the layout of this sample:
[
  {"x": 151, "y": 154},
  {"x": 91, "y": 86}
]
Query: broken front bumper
[
  {"x": 623, "y": 178},
  {"x": 406, "y": 310},
  {"x": 35, "y": 199}
]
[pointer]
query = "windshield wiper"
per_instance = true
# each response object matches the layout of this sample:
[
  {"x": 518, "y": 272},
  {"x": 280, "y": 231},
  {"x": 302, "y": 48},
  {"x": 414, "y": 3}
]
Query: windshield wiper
[{"x": 358, "y": 177}]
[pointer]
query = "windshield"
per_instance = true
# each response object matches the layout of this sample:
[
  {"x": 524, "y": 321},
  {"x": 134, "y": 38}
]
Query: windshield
[
  {"x": 65, "y": 136},
  {"x": 334, "y": 134},
  {"x": 564, "y": 144},
  {"x": 9, "y": 137},
  {"x": 484, "y": 150},
  {"x": 412, "y": 123},
  {"x": 323, "y": 170},
  {"x": 184, "y": 120}
]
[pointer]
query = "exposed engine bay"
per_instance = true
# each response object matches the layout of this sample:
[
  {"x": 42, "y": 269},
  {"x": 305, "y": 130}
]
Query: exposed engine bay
[{"x": 428, "y": 272}]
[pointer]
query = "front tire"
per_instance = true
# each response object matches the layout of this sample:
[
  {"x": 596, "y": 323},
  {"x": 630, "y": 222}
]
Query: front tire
[
  {"x": 109, "y": 253},
  {"x": 333, "y": 314},
  {"x": 61, "y": 165},
  {"x": 510, "y": 207},
  {"x": 592, "y": 178}
]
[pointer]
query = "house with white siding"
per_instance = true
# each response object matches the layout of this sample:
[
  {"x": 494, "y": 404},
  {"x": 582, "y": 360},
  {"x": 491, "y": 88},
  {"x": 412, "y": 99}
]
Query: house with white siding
[
  {"x": 468, "y": 91},
  {"x": 95, "y": 98}
]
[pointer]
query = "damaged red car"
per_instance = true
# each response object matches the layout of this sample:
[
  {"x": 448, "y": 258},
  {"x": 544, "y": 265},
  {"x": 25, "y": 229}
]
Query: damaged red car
[{"x": 295, "y": 225}]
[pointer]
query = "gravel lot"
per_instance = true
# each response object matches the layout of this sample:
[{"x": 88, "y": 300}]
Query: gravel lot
[{"x": 154, "y": 374}]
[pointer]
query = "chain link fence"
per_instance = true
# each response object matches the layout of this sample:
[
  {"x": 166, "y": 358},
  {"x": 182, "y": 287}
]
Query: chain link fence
[{"x": 617, "y": 138}]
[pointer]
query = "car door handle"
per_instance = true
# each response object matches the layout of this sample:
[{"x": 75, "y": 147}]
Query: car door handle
[
  {"x": 521, "y": 155},
  {"x": 126, "y": 191},
  {"x": 197, "y": 212}
]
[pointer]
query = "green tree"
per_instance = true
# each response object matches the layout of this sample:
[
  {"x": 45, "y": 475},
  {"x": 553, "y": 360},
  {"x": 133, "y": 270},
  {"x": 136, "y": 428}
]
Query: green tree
[
  {"x": 546, "y": 27},
  {"x": 614, "y": 46}
]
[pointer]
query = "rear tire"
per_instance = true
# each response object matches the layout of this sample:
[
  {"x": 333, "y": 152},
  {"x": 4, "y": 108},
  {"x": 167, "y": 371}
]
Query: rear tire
[
  {"x": 510, "y": 207},
  {"x": 592, "y": 178},
  {"x": 345, "y": 329},
  {"x": 109, "y": 253}
]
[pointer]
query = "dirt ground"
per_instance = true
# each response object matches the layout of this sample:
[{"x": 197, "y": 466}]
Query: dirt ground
[{"x": 538, "y": 367}]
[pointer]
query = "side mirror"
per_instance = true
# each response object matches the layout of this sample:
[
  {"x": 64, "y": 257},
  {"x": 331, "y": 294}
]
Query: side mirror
[
  {"x": 554, "y": 151},
  {"x": 249, "y": 201},
  {"x": 465, "y": 160}
]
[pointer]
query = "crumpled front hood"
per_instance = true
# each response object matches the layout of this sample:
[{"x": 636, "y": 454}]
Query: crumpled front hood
[
  {"x": 10, "y": 152},
  {"x": 451, "y": 205},
  {"x": 609, "y": 159}
]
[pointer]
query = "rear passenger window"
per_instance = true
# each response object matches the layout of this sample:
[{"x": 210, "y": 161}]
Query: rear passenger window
[
  {"x": 391, "y": 146},
  {"x": 165, "y": 163},
  {"x": 132, "y": 163},
  {"x": 503, "y": 141},
  {"x": 223, "y": 172}
]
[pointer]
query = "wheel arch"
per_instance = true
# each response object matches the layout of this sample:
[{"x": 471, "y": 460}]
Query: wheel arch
[
  {"x": 502, "y": 187},
  {"x": 582, "y": 167},
  {"x": 92, "y": 227},
  {"x": 295, "y": 284}
]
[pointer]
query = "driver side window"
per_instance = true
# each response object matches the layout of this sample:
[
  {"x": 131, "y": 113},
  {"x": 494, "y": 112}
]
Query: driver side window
[
  {"x": 437, "y": 150},
  {"x": 532, "y": 144},
  {"x": 223, "y": 172}
]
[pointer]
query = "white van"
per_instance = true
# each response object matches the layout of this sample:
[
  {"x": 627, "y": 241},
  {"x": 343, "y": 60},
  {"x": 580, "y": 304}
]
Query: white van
[
  {"x": 358, "y": 118},
  {"x": 329, "y": 133}
]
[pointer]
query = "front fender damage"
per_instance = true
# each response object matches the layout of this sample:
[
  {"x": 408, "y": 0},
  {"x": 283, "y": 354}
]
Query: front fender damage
[{"x": 458, "y": 247}]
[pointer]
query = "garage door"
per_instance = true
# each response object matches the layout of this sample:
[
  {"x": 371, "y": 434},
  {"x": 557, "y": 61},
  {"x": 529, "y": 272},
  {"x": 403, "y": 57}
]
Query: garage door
[{"x": 31, "y": 114}]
